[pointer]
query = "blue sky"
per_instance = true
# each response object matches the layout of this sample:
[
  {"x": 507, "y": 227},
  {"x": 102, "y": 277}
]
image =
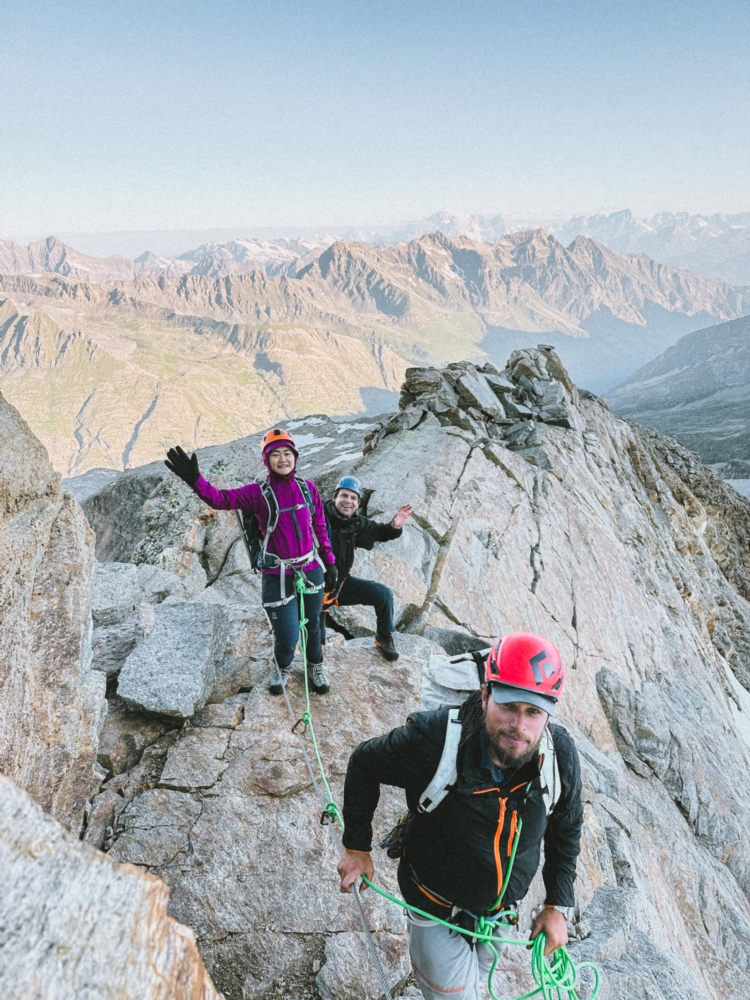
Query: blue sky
[{"x": 167, "y": 115}]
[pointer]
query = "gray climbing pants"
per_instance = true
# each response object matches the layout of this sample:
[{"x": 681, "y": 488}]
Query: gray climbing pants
[{"x": 445, "y": 964}]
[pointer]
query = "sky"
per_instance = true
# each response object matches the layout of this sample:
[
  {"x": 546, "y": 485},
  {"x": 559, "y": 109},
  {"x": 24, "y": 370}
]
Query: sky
[{"x": 214, "y": 113}]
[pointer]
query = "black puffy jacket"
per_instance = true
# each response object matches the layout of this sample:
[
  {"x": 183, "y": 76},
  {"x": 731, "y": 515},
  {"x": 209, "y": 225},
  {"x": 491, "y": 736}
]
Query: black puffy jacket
[
  {"x": 460, "y": 851},
  {"x": 355, "y": 532}
]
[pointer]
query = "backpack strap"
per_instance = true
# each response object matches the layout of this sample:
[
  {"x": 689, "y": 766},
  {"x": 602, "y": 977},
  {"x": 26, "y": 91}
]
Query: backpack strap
[
  {"x": 550, "y": 771},
  {"x": 446, "y": 774},
  {"x": 273, "y": 517}
]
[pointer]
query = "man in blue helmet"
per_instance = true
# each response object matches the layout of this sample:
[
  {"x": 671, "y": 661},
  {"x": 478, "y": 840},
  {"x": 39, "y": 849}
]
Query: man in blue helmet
[{"x": 348, "y": 531}]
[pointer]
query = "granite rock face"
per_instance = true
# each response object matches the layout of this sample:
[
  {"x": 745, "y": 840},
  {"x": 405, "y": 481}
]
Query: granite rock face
[
  {"x": 556, "y": 517},
  {"x": 74, "y": 924},
  {"x": 52, "y": 702}
]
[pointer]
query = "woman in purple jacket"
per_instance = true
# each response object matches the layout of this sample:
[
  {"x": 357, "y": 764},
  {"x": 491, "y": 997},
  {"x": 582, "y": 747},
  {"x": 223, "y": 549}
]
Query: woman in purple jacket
[{"x": 298, "y": 542}]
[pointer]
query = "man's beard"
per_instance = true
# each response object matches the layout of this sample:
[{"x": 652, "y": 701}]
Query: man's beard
[{"x": 506, "y": 760}]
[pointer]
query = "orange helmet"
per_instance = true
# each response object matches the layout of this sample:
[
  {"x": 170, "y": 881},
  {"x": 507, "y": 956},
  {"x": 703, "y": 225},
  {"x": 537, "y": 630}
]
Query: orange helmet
[
  {"x": 525, "y": 667},
  {"x": 277, "y": 438}
]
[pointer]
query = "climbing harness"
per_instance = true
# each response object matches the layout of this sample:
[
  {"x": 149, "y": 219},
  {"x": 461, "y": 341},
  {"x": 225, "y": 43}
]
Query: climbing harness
[
  {"x": 256, "y": 545},
  {"x": 559, "y": 975}
]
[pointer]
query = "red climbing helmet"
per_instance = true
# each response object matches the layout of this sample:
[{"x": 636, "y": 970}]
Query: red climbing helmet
[
  {"x": 277, "y": 438},
  {"x": 527, "y": 668}
]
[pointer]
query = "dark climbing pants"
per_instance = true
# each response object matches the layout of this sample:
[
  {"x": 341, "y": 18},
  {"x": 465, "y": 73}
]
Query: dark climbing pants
[
  {"x": 377, "y": 595},
  {"x": 285, "y": 618}
]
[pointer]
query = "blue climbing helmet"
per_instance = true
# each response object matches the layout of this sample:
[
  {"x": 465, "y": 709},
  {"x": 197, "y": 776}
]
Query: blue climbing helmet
[{"x": 349, "y": 483}]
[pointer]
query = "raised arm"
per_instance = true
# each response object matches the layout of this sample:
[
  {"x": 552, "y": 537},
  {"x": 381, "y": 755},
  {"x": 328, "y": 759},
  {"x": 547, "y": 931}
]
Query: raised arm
[{"x": 186, "y": 467}]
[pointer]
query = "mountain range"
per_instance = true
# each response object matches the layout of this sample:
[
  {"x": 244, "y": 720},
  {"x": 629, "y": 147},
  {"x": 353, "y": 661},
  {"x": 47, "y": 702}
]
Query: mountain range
[
  {"x": 697, "y": 391},
  {"x": 712, "y": 245},
  {"x": 715, "y": 245},
  {"x": 109, "y": 373}
]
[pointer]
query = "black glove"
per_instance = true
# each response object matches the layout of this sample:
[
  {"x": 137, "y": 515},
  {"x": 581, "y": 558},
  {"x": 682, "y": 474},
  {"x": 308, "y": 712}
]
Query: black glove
[
  {"x": 182, "y": 466},
  {"x": 330, "y": 579}
]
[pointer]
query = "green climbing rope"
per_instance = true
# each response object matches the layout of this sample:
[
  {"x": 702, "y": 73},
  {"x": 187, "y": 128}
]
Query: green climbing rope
[
  {"x": 331, "y": 810},
  {"x": 558, "y": 976}
]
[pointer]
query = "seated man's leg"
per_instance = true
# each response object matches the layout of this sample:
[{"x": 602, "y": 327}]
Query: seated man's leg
[
  {"x": 377, "y": 595},
  {"x": 443, "y": 962}
]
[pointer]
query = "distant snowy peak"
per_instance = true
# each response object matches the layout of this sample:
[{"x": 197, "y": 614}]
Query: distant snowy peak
[
  {"x": 480, "y": 228},
  {"x": 712, "y": 245},
  {"x": 240, "y": 256}
]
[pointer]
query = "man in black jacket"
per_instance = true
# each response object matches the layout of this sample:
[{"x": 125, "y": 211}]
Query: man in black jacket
[
  {"x": 348, "y": 531},
  {"x": 476, "y": 851}
]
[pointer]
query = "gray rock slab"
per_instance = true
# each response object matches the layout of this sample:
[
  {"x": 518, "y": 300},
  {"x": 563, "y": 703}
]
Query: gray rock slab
[
  {"x": 156, "y": 826},
  {"x": 197, "y": 760},
  {"x": 52, "y": 702},
  {"x": 348, "y": 973},
  {"x": 116, "y": 593},
  {"x": 159, "y": 584},
  {"x": 172, "y": 672}
]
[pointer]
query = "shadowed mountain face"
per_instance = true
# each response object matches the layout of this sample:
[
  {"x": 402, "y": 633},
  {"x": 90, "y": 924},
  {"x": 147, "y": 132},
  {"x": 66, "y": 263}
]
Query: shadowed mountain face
[
  {"x": 109, "y": 373},
  {"x": 698, "y": 391}
]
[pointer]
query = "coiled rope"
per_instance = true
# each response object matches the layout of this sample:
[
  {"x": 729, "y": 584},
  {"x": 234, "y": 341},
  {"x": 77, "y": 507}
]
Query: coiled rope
[{"x": 559, "y": 975}]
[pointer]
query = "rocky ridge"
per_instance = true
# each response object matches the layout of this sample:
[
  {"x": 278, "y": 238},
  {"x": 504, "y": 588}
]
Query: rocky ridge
[
  {"x": 441, "y": 294},
  {"x": 536, "y": 508}
]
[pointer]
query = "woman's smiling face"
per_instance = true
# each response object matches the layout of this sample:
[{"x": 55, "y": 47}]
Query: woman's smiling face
[{"x": 282, "y": 461}]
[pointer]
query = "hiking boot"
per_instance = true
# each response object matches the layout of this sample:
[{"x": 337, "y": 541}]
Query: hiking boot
[
  {"x": 278, "y": 679},
  {"x": 386, "y": 646},
  {"x": 317, "y": 677}
]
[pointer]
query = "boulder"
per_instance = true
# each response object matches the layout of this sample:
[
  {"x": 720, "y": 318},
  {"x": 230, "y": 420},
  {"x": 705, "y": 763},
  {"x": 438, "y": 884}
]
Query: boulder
[
  {"x": 474, "y": 390},
  {"x": 173, "y": 670},
  {"x": 74, "y": 923},
  {"x": 52, "y": 702},
  {"x": 116, "y": 593},
  {"x": 112, "y": 644}
]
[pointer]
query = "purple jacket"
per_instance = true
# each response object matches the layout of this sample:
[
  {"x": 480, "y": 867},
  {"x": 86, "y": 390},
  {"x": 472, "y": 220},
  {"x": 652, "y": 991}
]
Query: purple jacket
[{"x": 283, "y": 542}]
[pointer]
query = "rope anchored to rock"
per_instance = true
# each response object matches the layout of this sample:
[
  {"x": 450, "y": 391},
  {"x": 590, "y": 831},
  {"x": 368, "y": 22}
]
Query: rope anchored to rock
[{"x": 559, "y": 975}]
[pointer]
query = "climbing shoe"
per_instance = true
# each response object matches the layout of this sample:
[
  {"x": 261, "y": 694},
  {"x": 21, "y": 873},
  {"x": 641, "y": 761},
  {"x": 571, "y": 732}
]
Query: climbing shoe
[
  {"x": 317, "y": 677},
  {"x": 278, "y": 679},
  {"x": 386, "y": 646}
]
